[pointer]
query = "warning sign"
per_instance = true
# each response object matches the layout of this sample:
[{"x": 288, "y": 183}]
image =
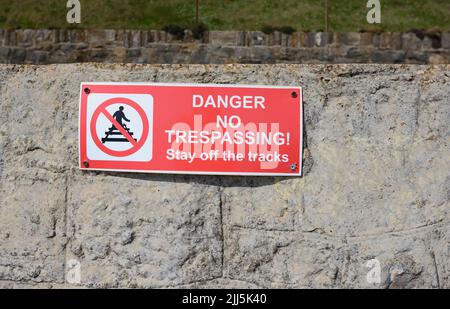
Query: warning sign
[
  {"x": 191, "y": 129},
  {"x": 119, "y": 132}
]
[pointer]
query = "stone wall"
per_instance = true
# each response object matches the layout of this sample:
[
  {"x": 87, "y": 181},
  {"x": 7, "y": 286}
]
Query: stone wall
[
  {"x": 68, "y": 46},
  {"x": 376, "y": 184}
]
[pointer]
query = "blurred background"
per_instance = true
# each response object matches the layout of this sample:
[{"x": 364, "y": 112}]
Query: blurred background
[
  {"x": 225, "y": 31},
  {"x": 300, "y": 15}
]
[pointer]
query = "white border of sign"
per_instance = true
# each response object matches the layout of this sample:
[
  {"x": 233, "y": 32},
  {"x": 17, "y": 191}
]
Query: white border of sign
[{"x": 299, "y": 174}]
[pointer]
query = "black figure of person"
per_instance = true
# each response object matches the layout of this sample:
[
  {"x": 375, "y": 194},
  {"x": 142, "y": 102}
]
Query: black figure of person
[{"x": 119, "y": 116}]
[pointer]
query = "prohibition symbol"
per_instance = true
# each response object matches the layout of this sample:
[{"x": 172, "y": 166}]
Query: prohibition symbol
[{"x": 100, "y": 142}]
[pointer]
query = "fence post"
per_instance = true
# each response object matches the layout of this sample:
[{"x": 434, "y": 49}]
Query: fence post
[{"x": 196, "y": 11}]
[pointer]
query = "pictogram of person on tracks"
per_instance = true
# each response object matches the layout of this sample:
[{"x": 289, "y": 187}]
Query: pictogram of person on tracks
[{"x": 120, "y": 115}]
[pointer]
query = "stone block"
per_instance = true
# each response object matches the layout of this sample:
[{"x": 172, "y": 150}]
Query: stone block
[
  {"x": 446, "y": 40},
  {"x": 224, "y": 38},
  {"x": 143, "y": 233}
]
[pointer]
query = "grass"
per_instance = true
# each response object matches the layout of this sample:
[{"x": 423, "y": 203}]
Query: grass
[{"x": 345, "y": 15}]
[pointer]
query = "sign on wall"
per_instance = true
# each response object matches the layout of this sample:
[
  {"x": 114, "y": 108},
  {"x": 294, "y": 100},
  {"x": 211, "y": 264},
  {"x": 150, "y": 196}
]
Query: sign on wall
[{"x": 191, "y": 129}]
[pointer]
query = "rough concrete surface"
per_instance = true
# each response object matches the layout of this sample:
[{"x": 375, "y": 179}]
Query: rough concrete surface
[{"x": 376, "y": 185}]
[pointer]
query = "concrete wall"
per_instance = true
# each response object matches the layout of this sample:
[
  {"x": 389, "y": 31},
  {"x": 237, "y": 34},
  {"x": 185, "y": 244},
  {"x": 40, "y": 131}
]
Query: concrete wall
[
  {"x": 136, "y": 46},
  {"x": 376, "y": 184}
]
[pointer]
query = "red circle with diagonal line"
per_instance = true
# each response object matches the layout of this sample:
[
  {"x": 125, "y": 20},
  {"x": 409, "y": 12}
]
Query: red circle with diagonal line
[{"x": 136, "y": 144}]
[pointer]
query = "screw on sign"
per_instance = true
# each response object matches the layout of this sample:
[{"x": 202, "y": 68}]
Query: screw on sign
[{"x": 118, "y": 128}]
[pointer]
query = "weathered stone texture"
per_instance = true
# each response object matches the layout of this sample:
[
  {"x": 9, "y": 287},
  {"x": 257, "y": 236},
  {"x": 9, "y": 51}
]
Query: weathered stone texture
[
  {"x": 376, "y": 184},
  {"x": 142, "y": 232},
  {"x": 43, "y": 46}
]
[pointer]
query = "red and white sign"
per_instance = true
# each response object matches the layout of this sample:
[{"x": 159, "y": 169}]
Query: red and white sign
[{"x": 191, "y": 129}]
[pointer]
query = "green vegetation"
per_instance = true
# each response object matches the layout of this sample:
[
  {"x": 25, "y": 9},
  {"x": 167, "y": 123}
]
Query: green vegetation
[{"x": 345, "y": 15}]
